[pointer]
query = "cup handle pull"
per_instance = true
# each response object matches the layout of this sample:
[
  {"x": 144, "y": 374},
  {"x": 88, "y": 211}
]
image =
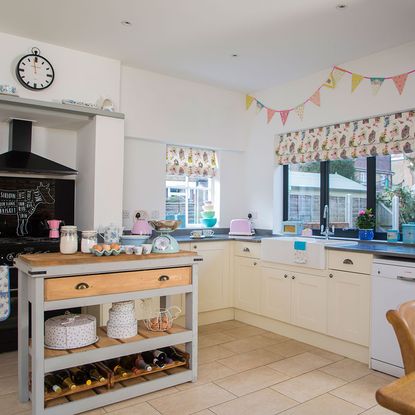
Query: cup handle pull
[
  {"x": 348, "y": 261},
  {"x": 164, "y": 278},
  {"x": 81, "y": 286}
]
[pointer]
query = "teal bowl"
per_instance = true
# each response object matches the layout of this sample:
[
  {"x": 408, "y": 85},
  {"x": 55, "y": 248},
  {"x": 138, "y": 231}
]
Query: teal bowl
[
  {"x": 209, "y": 214},
  {"x": 209, "y": 222}
]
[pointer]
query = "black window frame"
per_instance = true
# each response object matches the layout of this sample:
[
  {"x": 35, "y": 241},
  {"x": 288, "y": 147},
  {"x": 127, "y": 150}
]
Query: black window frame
[{"x": 325, "y": 196}]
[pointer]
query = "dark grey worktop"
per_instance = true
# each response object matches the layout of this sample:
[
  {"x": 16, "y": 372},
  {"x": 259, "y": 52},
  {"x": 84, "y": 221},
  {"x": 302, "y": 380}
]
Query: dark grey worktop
[
  {"x": 219, "y": 237},
  {"x": 378, "y": 248}
]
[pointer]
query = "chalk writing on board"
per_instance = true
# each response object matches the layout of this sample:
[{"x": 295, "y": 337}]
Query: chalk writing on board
[{"x": 23, "y": 203}]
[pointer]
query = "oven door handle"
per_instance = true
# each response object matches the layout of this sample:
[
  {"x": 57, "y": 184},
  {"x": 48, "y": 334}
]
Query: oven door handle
[{"x": 400, "y": 277}]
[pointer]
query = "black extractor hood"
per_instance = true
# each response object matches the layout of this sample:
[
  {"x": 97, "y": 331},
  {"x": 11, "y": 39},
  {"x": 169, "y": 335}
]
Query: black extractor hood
[{"x": 19, "y": 158}]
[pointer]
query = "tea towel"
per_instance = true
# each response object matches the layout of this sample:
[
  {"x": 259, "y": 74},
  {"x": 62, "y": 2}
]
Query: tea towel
[{"x": 4, "y": 293}]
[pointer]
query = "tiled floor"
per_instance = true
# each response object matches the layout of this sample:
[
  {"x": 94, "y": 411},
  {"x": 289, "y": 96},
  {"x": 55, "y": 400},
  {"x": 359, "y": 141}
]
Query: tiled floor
[{"x": 245, "y": 370}]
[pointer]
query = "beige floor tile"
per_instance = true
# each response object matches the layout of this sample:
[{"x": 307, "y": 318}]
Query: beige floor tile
[
  {"x": 139, "y": 399},
  {"x": 213, "y": 339},
  {"x": 243, "y": 332},
  {"x": 224, "y": 326},
  {"x": 289, "y": 348},
  {"x": 204, "y": 412},
  {"x": 8, "y": 384},
  {"x": 140, "y": 409},
  {"x": 10, "y": 405},
  {"x": 98, "y": 411},
  {"x": 8, "y": 369},
  {"x": 250, "y": 360},
  {"x": 324, "y": 405},
  {"x": 347, "y": 369},
  {"x": 297, "y": 365},
  {"x": 378, "y": 410},
  {"x": 276, "y": 337},
  {"x": 192, "y": 400},
  {"x": 208, "y": 373},
  {"x": 210, "y": 354},
  {"x": 327, "y": 355},
  {"x": 247, "y": 344},
  {"x": 263, "y": 402},
  {"x": 251, "y": 380},
  {"x": 308, "y": 386},
  {"x": 362, "y": 391},
  {"x": 8, "y": 358}
]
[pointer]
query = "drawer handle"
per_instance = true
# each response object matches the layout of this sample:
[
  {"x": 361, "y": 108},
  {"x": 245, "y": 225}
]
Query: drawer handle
[
  {"x": 293, "y": 277},
  {"x": 81, "y": 286},
  {"x": 285, "y": 276},
  {"x": 246, "y": 250},
  {"x": 194, "y": 246},
  {"x": 255, "y": 263},
  {"x": 331, "y": 275},
  {"x": 348, "y": 261},
  {"x": 164, "y": 278},
  {"x": 400, "y": 277}
]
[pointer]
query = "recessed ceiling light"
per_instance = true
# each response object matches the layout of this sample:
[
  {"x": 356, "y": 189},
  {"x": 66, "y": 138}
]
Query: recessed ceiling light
[
  {"x": 341, "y": 6},
  {"x": 126, "y": 23}
]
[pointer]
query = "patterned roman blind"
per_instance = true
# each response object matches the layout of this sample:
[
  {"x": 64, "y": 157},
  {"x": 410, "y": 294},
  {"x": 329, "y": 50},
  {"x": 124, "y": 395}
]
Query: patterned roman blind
[
  {"x": 190, "y": 161},
  {"x": 377, "y": 136}
]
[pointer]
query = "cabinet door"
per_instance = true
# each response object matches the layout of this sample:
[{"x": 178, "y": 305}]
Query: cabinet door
[
  {"x": 247, "y": 280},
  {"x": 214, "y": 275},
  {"x": 309, "y": 302},
  {"x": 276, "y": 294},
  {"x": 348, "y": 306}
]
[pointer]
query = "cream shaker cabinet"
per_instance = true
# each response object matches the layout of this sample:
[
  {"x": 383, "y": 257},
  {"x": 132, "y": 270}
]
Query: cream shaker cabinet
[
  {"x": 276, "y": 294},
  {"x": 247, "y": 284},
  {"x": 348, "y": 306}
]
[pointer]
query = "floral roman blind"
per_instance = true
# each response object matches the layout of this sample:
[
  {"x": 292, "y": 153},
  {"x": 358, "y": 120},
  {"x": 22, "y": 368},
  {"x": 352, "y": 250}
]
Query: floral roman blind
[
  {"x": 189, "y": 161},
  {"x": 383, "y": 135}
]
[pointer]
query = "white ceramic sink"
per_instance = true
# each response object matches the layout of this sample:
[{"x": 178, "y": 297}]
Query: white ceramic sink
[{"x": 306, "y": 252}]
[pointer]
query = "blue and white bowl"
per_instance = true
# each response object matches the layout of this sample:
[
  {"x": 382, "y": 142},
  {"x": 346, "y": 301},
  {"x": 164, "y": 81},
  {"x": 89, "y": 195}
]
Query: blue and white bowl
[{"x": 135, "y": 240}]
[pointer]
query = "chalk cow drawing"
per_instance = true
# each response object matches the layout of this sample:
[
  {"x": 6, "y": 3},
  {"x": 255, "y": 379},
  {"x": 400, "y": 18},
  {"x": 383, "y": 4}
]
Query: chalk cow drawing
[{"x": 23, "y": 203}]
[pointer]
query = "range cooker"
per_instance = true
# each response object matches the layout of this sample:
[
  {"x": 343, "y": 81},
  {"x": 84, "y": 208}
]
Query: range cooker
[{"x": 11, "y": 248}]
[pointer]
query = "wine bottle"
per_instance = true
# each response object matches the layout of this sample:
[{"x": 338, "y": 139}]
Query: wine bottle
[
  {"x": 150, "y": 359},
  {"x": 93, "y": 373},
  {"x": 160, "y": 355},
  {"x": 64, "y": 379},
  {"x": 141, "y": 364},
  {"x": 52, "y": 384},
  {"x": 115, "y": 366},
  {"x": 171, "y": 352},
  {"x": 79, "y": 377}
]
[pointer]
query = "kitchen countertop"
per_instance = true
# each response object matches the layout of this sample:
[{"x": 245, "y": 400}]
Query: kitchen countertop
[{"x": 220, "y": 237}]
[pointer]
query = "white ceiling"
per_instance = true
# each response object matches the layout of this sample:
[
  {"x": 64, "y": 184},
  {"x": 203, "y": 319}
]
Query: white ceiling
[{"x": 276, "y": 40}]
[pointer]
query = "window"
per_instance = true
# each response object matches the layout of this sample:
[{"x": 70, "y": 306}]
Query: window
[
  {"x": 185, "y": 197},
  {"x": 348, "y": 186}
]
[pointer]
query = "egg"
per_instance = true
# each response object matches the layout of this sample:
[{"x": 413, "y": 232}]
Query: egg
[
  {"x": 106, "y": 247},
  {"x": 98, "y": 248},
  {"x": 115, "y": 246}
]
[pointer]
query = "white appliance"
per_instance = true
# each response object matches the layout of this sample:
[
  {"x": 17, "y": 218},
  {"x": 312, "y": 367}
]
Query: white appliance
[{"x": 393, "y": 283}]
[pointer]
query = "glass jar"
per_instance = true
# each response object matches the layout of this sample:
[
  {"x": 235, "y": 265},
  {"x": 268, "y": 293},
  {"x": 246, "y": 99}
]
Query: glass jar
[
  {"x": 89, "y": 239},
  {"x": 69, "y": 240}
]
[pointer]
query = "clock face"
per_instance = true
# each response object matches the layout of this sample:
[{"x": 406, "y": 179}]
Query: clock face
[
  {"x": 162, "y": 243},
  {"x": 35, "y": 72}
]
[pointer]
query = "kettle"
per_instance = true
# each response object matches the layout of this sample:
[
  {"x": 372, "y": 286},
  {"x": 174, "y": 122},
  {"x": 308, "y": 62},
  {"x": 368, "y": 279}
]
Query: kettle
[{"x": 141, "y": 226}]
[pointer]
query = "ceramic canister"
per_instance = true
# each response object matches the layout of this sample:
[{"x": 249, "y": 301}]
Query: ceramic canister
[
  {"x": 123, "y": 306},
  {"x": 121, "y": 317},
  {"x": 70, "y": 331},
  {"x": 121, "y": 331}
]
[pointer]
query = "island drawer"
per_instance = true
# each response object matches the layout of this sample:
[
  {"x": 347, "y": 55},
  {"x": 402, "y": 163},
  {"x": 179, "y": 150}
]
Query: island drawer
[
  {"x": 101, "y": 284},
  {"x": 247, "y": 249},
  {"x": 350, "y": 261}
]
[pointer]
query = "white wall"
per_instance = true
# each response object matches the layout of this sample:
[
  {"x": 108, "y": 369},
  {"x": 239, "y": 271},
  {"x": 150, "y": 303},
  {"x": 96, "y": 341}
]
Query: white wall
[
  {"x": 336, "y": 105},
  {"x": 78, "y": 75}
]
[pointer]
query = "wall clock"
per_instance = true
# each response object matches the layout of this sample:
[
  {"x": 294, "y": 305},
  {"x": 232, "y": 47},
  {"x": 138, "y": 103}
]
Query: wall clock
[{"x": 34, "y": 71}]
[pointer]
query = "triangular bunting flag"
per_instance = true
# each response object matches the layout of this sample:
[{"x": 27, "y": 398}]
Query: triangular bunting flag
[
  {"x": 259, "y": 106},
  {"x": 284, "y": 116},
  {"x": 270, "y": 114},
  {"x": 376, "y": 84},
  {"x": 337, "y": 75},
  {"x": 399, "y": 81},
  {"x": 315, "y": 98},
  {"x": 330, "y": 82},
  {"x": 300, "y": 111},
  {"x": 356, "y": 79},
  {"x": 248, "y": 101}
]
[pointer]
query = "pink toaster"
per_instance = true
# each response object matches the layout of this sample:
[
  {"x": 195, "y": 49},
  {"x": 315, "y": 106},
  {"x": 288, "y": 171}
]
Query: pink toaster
[{"x": 241, "y": 227}]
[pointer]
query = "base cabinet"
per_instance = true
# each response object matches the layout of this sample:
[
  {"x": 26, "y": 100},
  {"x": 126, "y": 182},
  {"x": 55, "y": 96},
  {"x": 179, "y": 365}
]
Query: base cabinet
[
  {"x": 276, "y": 294},
  {"x": 348, "y": 306},
  {"x": 309, "y": 302},
  {"x": 247, "y": 284}
]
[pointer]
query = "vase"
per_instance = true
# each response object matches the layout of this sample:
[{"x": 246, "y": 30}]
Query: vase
[{"x": 366, "y": 234}]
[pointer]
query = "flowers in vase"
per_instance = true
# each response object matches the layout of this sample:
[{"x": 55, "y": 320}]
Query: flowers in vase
[{"x": 365, "y": 219}]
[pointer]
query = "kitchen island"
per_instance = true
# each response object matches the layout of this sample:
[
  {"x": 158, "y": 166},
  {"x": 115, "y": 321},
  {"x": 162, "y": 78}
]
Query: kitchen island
[{"x": 57, "y": 282}]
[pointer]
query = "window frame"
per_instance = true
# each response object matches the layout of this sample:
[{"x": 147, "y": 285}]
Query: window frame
[
  {"x": 187, "y": 188},
  {"x": 325, "y": 196}
]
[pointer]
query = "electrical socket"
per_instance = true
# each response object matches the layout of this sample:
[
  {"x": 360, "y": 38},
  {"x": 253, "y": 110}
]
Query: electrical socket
[{"x": 126, "y": 214}]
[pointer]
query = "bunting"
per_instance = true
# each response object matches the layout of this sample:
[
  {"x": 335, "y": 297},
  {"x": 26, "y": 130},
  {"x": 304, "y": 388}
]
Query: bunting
[{"x": 331, "y": 83}]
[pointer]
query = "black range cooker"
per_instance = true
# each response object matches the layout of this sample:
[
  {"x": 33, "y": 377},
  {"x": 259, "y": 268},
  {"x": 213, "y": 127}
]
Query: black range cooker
[{"x": 11, "y": 248}]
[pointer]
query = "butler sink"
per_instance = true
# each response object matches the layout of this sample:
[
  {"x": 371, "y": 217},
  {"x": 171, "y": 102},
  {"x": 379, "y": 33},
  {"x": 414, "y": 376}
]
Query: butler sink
[{"x": 305, "y": 252}]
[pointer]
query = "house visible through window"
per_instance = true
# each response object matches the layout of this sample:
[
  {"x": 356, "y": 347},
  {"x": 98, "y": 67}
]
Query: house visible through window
[{"x": 189, "y": 183}]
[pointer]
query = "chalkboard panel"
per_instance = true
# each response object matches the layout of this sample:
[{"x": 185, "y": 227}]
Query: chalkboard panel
[{"x": 27, "y": 203}]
